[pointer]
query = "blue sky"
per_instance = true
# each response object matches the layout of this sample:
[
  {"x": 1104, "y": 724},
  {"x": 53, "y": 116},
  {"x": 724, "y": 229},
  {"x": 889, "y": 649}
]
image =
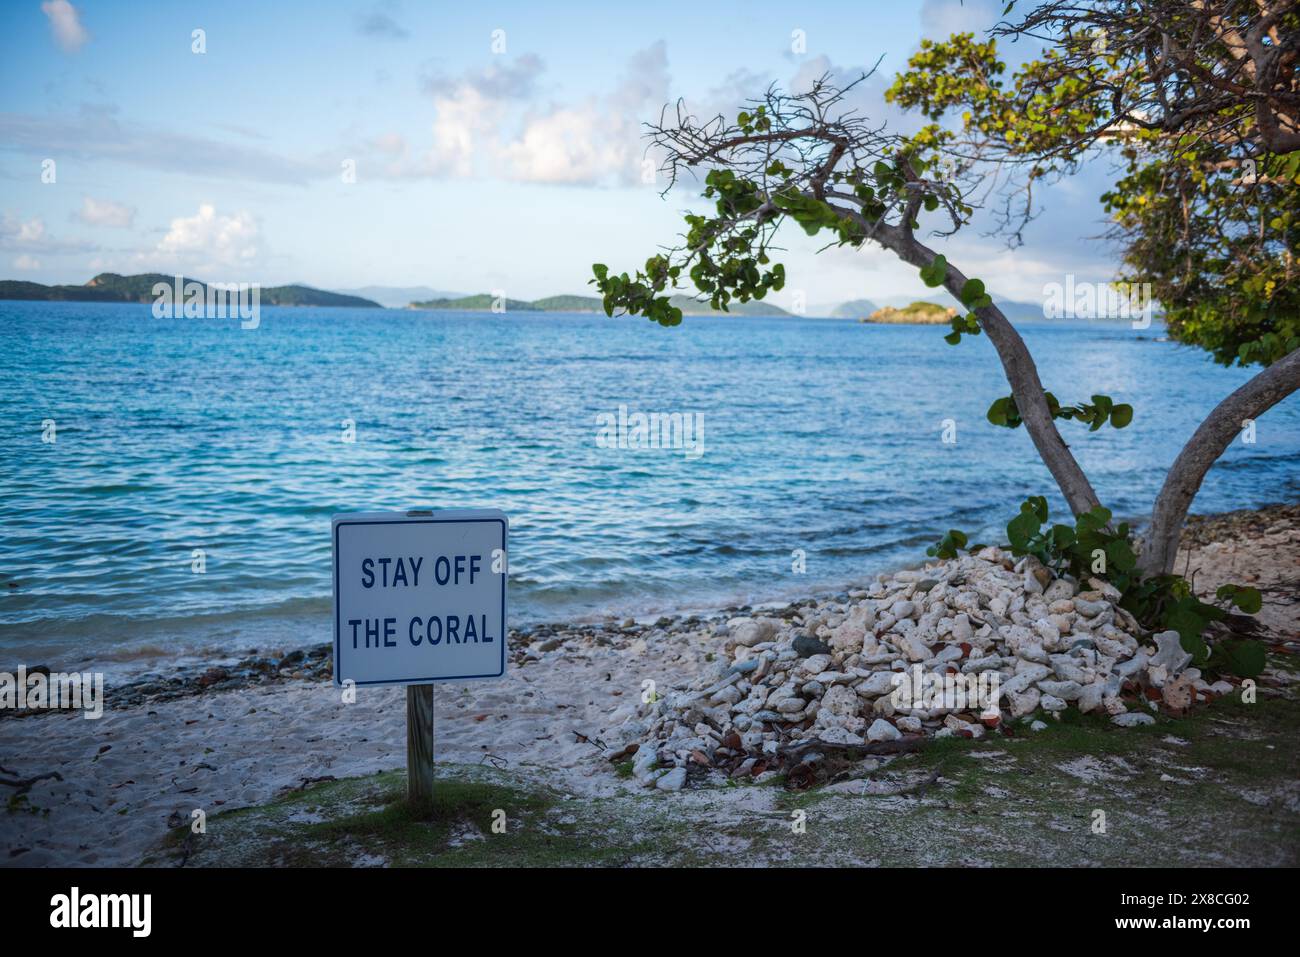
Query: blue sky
[{"x": 476, "y": 167}]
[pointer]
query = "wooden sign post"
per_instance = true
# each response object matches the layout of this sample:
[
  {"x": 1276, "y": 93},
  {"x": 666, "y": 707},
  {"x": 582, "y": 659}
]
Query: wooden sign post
[
  {"x": 419, "y": 743},
  {"x": 419, "y": 597}
]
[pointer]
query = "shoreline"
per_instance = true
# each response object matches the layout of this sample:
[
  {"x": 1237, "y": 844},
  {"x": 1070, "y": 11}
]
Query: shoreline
[
  {"x": 112, "y": 789},
  {"x": 1213, "y": 535}
]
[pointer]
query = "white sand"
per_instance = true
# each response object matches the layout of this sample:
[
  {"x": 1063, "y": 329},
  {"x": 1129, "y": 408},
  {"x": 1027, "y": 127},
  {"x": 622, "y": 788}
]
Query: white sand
[
  {"x": 1266, "y": 557},
  {"x": 233, "y": 749},
  {"x": 225, "y": 750}
]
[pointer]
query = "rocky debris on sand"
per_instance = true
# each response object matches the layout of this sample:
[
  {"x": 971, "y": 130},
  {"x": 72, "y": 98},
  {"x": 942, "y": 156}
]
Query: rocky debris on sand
[
  {"x": 527, "y": 646},
  {"x": 181, "y": 681},
  {"x": 1004, "y": 640}
]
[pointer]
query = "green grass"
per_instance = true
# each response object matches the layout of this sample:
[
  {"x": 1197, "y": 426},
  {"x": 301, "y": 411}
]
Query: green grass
[
  {"x": 1228, "y": 795},
  {"x": 369, "y": 821}
]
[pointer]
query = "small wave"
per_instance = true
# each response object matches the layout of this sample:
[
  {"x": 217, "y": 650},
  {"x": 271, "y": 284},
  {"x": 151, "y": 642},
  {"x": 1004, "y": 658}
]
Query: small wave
[
  {"x": 110, "y": 489},
  {"x": 134, "y": 623}
]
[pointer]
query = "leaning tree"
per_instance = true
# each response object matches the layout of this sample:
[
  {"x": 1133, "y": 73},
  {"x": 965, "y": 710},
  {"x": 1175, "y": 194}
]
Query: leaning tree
[
  {"x": 1198, "y": 103},
  {"x": 1187, "y": 111}
]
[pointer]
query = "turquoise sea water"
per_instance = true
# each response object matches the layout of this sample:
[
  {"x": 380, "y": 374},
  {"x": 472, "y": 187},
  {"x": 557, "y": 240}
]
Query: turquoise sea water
[{"x": 826, "y": 436}]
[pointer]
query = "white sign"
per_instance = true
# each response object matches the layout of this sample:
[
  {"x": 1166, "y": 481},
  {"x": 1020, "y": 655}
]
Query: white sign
[{"x": 419, "y": 597}]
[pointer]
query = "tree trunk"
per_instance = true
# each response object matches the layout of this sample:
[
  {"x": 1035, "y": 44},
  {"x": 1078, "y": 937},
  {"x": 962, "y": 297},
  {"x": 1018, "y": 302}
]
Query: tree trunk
[
  {"x": 1203, "y": 449},
  {"x": 1188, "y": 471},
  {"x": 1021, "y": 372}
]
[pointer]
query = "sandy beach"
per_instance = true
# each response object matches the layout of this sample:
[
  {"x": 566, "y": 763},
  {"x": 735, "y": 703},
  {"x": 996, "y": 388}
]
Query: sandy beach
[{"x": 215, "y": 742}]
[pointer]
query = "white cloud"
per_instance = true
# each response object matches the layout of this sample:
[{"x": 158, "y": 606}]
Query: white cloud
[
  {"x": 470, "y": 112},
  {"x": 207, "y": 241},
  {"x": 31, "y": 236},
  {"x": 105, "y": 212},
  {"x": 66, "y": 24},
  {"x": 97, "y": 134},
  {"x": 27, "y": 262},
  {"x": 501, "y": 80},
  {"x": 30, "y": 233},
  {"x": 394, "y": 144},
  {"x": 565, "y": 146},
  {"x": 462, "y": 133},
  {"x": 488, "y": 123},
  {"x": 600, "y": 140}
]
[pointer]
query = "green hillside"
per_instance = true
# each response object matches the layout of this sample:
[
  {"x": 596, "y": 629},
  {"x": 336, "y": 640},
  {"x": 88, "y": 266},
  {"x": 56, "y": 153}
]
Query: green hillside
[
  {"x": 854, "y": 309},
  {"x": 693, "y": 307},
  {"x": 296, "y": 295},
  {"x": 480, "y": 303},
  {"x": 569, "y": 304},
  {"x": 111, "y": 287},
  {"x": 688, "y": 306}
]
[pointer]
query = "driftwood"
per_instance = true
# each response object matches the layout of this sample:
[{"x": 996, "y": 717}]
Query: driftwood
[
  {"x": 919, "y": 787},
  {"x": 305, "y": 783},
  {"x": 902, "y": 745}
]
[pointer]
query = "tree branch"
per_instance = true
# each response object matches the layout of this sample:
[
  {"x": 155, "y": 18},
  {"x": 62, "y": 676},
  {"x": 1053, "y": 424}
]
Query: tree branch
[
  {"x": 1021, "y": 373},
  {"x": 1202, "y": 450}
]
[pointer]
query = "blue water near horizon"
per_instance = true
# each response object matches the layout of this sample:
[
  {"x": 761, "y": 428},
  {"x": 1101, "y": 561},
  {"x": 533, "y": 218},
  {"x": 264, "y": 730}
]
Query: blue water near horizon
[{"x": 821, "y": 435}]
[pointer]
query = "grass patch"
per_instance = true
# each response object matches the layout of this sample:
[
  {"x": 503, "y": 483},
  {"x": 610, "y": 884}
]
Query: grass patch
[
  {"x": 477, "y": 818},
  {"x": 1216, "y": 788},
  {"x": 414, "y": 831}
]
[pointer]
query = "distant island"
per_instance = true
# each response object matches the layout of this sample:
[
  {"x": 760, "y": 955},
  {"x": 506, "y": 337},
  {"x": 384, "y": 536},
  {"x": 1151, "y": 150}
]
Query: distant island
[
  {"x": 918, "y": 313},
  {"x": 110, "y": 287},
  {"x": 397, "y": 297},
  {"x": 853, "y": 309},
  {"x": 690, "y": 307}
]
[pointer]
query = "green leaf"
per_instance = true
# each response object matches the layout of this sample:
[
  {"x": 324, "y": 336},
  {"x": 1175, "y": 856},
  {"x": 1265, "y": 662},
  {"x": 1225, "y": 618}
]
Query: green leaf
[
  {"x": 1096, "y": 517},
  {"x": 1247, "y": 599},
  {"x": 947, "y": 546},
  {"x": 1194, "y": 644},
  {"x": 1062, "y": 536},
  {"x": 1119, "y": 553},
  {"x": 997, "y": 413},
  {"x": 934, "y": 272},
  {"x": 973, "y": 295},
  {"x": 1020, "y": 529},
  {"x": 1245, "y": 659},
  {"x": 1185, "y": 618}
]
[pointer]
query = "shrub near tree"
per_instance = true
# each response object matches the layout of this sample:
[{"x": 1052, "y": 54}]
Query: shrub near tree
[{"x": 1199, "y": 106}]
